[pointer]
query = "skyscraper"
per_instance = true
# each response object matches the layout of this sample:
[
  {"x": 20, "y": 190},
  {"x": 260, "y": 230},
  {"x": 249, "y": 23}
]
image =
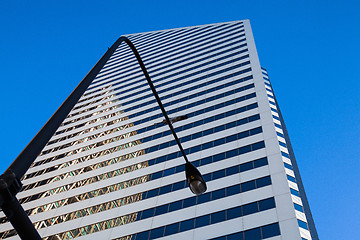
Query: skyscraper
[{"x": 113, "y": 170}]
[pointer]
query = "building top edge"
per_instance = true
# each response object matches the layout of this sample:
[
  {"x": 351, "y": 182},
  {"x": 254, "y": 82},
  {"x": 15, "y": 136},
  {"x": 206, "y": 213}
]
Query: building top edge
[{"x": 201, "y": 25}]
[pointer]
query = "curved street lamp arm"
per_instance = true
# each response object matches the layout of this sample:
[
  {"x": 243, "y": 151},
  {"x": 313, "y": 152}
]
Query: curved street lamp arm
[
  {"x": 10, "y": 183},
  {"x": 131, "y": 45},
  {"x": 23, "y": 162}
]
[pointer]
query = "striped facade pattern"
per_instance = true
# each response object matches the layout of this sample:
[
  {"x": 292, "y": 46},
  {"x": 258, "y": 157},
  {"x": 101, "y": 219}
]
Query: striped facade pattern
[{"x": 113, "y": 170}]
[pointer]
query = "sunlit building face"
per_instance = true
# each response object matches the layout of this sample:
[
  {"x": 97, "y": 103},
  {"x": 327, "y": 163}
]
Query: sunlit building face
[{"x": 114, "y": 171}]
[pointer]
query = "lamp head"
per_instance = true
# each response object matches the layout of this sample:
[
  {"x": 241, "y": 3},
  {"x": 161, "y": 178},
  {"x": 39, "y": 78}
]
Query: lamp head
[{"x": 196, "y": 182}]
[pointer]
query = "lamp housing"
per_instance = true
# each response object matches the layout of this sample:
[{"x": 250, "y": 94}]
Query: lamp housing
[{"x": 195, "y": 180}]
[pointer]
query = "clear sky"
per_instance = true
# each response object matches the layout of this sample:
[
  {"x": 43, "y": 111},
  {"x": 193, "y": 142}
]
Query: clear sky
[{"x": 310, "y": 49}]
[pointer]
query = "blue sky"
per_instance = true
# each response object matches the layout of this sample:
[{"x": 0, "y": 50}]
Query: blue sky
[{"x": 310, "y": 49}]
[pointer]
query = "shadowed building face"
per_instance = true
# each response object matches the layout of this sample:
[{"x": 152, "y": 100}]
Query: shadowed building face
[{"x": 113, "y": 170}]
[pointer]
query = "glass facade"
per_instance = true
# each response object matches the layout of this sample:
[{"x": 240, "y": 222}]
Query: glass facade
[{"x": 113, "y": 170}]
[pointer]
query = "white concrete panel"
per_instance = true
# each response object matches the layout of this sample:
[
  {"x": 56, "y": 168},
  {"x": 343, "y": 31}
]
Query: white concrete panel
[{"x": 165, "y": 53}]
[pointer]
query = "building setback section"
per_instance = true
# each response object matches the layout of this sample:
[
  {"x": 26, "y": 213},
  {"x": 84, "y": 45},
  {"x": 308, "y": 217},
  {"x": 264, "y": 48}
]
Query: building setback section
[{"x": 113, "y": 171}]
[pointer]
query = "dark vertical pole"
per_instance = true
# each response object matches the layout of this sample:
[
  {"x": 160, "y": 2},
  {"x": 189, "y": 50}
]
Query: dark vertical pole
[
  {"x": 19, "y": 219},
  {"x": 141, "y": 63},
  {"x": 9, "y": 183}
]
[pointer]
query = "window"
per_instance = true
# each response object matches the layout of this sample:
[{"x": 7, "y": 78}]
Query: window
[
  {"x": 270, "y": 230},
  {"x": 175, "y": 206},
  {"x": 142, "y": 235},
  {"x": 250, "y": 208},
  {"x": 169, "y": 229},
  {"x": 232, "y": 170},
  {"x": 254, "y": 234},
  {"x": 147, "y": 213},
  {"x": 157, "y": 232},
  {"x": 233, "y": 190},
  {"x": 285, "y": 154},
  {"x": 234, "y": 212},
  {"x": 303, "y": 224},
  {"x": 218, "y": 194},
  {"x": 189, "y": 202},
  {"x": 291, "y": 178},
  {"x": 219, "y": 174},
  {"x": 288, "y": 166},
  {"x": 236, "y": 236},
  {"x": 161, "y": 209},
  {"x": 298, "y": 207},
  {"x": 280, "y": 134},
  {"x": 294, "y": 192},
  {"x": 266, "y": 204},
  {"x": 282, "y": 144},
  {"x": 206, "y": 197},
  {"x": 187, "y": 225},
  {"x": 264, "y": 181},
  {"x": 247, "y": 186},
  {"x": 218, "y": 217},
  {"x": 246, "y": 166},
  {"x": 202, "y": 221},
  {"x": 260, "y": 162}
]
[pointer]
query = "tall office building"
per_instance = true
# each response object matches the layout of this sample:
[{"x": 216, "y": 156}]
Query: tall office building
[{"x": 113, "y": 169}]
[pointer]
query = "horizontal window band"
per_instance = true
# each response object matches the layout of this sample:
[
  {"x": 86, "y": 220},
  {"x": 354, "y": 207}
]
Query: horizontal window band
[
  {"x": 188, "y": 79},
  {"x": 199, "y": 112},
  {"x": 288, "y": 166},
  {"x": 303, "y": 224},
  {"x": 282, "y": 144},
  {"x": 171, "y": 187},
  {"x": 205, "y": 220},
  {"x": 285, "y": 154},
  {"x": 186, "y": 106},
  {"x": 163, "y": 54},
  {"x": 104, "y": 96},
  {"x": 178, "y": 129},
  {"x": 298, "y": 207},
  {"x": 133, "y": 76},
  {"x": 263, "y": 232},
  {"x": 174, "y": 102},
  {"x": 159, "y": 210},
  {"x": 280, "y": 134},
  {"x": 188, "y": 38},
  {"x": 146, "y": 38},
  {"x": 160, "y": 115},
  {"x": 153, "y": 176},
  {"x": 98, "y": 112},
  {"x": 194, "y": 104},
  {"x": 158, "y": 67},
  {"x": 125, "y": 56},
  {"x": 291, "y": 178},
  {"x": 185, "y": 225},
  {"x": 181, "y": 91},
  {"x": 294, "y": 192},
  {"x": 163, "y": 39},
  {"x": 232, "y": 112},
  {"x": 187, "y": 151},
  {"x": 178, "y": 85},
  {"x": 162, "y": 91},
  {"x": 170, "y": 47},
  {"x": 180, "y": 100},
  {"x": 100, "y": 118}
]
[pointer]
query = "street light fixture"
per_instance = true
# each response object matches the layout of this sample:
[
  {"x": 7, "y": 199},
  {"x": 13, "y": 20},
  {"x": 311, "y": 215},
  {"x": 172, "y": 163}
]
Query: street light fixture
[
  {"x": 10, "y": 183},
  {"x": 194, "y": 178},
  {"x": 196, "y": 182}
]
